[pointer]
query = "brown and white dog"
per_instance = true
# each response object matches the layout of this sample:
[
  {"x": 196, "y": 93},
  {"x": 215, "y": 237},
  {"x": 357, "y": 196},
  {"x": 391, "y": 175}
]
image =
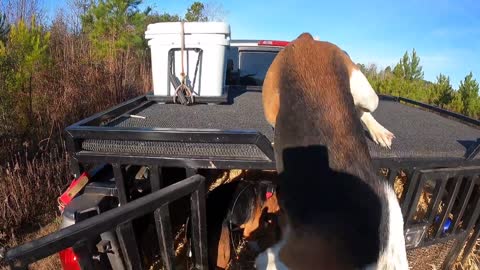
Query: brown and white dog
[
  {"x": 338, "y": 213},
  {"x": 364, "y": 98}
]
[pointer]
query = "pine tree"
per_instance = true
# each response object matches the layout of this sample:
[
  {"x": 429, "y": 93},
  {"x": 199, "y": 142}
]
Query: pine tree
[
  {"x": 164, "y": 17},
  {"x": 415, "y": 70},
  {"x": 409, "y": 67},
  {"x": 362, "y": 68},
  {"x": 196, "y": 13},
  {"x": 468, "y": 91},
  {"x": 456, "y": 105},
  {"x": 115, "y": 26},
  {"x": 443, "y": 91},
  {"x": 388, "y": 70},
  {"x": 27, "y": 48},
  {"x": 4, "y": 28},
  {"x": 24, "y": 56}
]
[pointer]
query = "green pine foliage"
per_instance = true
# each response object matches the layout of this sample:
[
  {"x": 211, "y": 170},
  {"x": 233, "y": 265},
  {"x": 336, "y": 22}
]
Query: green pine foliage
[
  {"x": 196, "y": 13},
  {"x": 24, "y": 56},
  {"x": 164, "y": 17},
  {"x": 115, "y": 26},
  {"x": 409, "y": 67},
  {"x": 406, "y": 80},
  {"x": 4, "y": 28},
  {"x": 443, "y": 91},
  {"x": 468, "y": 92}
]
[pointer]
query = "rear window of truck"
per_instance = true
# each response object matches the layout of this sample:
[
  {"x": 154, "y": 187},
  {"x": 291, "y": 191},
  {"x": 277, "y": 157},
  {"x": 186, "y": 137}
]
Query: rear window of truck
[{"x": 248, "y": 68}]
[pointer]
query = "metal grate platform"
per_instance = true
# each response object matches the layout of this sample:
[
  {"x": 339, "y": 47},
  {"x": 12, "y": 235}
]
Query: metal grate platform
[{"x": 177, "y": 149}]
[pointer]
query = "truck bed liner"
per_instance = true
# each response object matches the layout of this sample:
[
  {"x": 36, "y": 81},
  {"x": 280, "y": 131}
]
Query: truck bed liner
[{"x": 419, "y": 133}]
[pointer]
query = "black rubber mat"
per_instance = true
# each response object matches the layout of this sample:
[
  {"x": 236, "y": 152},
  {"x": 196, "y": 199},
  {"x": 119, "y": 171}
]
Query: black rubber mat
[
  {"x": 422, "y": 134},
  {"x": 245, "y": 112},
  {"x": 419, "y": 133}
]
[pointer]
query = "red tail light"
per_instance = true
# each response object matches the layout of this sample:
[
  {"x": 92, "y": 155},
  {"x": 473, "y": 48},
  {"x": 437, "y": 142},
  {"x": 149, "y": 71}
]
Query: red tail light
[
  {"x": 276, "y": 43},
  {"x": 69, "y": 260}
]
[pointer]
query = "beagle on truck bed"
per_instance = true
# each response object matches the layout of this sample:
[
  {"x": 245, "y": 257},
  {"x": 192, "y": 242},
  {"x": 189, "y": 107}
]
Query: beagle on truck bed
[{"x": 337, "y": 213}]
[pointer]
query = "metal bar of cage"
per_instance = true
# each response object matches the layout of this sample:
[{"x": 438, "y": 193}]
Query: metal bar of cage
[
  {"x": 125, "y": 232},
  {"x": 83, "y": 253},
  {"x": 465, "y": 197},
  {"x": 190, "y": 162},
  {"x": 162, "y": 221},
  {"x": 38, "y": 249},
  {"x": 199, "y": 227},
  {"x": 392, "y": 174},
  {"x": 411, "y": 186},
  {"x": 450, "y": 203},
  {"x": 437, "y": 193},
  {"x": 416, "y": 198}
]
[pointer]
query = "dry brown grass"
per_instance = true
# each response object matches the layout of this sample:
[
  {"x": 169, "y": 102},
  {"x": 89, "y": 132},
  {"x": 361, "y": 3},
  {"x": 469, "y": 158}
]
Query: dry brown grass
[
  {"x": 399, "y": 184},
  {"x": 472, "y": 261},
  {"x": 225, "y": 177},
  {"x": 53, "y": 261},
  {"x": 28, "y": 191},
  {"x": 43, "y": 227}
]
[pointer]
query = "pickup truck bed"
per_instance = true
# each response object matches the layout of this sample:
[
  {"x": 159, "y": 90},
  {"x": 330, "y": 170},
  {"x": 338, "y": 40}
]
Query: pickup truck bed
[{"x": 420, "y": 134}]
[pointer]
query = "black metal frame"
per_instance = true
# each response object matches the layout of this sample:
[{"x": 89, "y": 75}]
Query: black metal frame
[
  {"x": 90, "y": 128},
  {"x": 78, "y": 235},
  {"x": 444, "y": 112}
]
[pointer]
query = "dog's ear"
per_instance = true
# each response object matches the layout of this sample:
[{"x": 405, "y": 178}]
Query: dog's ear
[{"x": 305, "y": 36}]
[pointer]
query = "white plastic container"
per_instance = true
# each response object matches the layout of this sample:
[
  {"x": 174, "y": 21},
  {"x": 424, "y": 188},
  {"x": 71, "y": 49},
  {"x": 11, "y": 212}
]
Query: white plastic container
[{"x": 211, "y": 37}]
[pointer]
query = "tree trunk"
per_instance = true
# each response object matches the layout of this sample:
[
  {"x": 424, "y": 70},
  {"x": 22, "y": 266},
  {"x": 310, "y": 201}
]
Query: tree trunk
[{"x": 30, "y": 109}]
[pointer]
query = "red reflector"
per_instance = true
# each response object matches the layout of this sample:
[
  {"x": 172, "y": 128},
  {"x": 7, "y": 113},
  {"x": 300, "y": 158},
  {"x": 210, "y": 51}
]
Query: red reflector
[
  {"x": 69, "y": 259},
  {"x": 277, "y": 43}
]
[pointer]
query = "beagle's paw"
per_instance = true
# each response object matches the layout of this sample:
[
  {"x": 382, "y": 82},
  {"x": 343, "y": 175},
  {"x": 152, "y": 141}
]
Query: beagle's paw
[{"x": 381, "y": 136}]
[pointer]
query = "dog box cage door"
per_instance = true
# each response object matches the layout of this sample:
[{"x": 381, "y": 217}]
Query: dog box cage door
[{"x": 193, "y": 59}]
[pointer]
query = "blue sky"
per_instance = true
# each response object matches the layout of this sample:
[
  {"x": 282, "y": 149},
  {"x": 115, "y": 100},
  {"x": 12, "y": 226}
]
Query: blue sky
[{"x": 445, "y": 33}]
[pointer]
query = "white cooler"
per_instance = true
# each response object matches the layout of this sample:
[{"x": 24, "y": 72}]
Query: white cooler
[{"x": 212, "y": 38}]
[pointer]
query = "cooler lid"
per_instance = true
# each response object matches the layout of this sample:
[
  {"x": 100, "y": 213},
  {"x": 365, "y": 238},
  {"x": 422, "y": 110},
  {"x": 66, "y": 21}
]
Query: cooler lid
[{"x": 190, "y": 28}]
